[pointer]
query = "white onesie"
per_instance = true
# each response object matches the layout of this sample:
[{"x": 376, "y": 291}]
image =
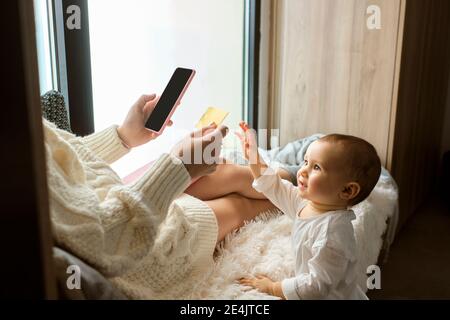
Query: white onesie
[{"x": 325, "y": 246}]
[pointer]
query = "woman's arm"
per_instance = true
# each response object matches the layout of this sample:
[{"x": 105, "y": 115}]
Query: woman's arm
[
  {"x": 119, "y": 231},
  {"x": 106, "y": 144},
  {"x": 116, "y": 141},
  {"x": 111, "y": 225}
]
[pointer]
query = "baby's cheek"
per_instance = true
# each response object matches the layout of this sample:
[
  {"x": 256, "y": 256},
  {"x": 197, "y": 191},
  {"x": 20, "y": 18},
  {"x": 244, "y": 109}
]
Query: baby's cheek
[{"x": 320, "y": 187}]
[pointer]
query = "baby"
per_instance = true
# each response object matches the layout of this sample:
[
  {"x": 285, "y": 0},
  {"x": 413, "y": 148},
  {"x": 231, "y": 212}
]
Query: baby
[{"x": 339, "y": 171}]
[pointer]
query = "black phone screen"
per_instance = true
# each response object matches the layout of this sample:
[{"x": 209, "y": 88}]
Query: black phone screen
[{"x": 169, "y": 98}]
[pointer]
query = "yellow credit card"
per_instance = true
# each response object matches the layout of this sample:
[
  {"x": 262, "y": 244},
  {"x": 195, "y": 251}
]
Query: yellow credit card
[{"x": 212, "y": 114}]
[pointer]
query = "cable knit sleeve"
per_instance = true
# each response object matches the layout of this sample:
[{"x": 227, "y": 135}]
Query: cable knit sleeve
[
  {"x": 115, "y": 227},
  {"x": 166, "y": 179},
  {"x": 110, "y": 225},
  {"x": 106, "y": 144}
]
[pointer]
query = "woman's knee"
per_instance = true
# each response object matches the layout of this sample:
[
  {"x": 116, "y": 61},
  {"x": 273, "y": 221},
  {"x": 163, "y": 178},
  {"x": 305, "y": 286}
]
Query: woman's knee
[
  {"x": 237, "y": 174},
  {"x": 240, "y": 206}
]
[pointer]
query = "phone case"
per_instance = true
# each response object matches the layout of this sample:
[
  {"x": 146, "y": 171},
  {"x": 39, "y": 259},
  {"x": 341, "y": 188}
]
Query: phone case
[{"x": 176, "y": 104}]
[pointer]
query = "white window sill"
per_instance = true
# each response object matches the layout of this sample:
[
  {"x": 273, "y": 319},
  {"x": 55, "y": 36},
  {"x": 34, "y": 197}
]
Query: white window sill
[{"x": 140, "y": 156}]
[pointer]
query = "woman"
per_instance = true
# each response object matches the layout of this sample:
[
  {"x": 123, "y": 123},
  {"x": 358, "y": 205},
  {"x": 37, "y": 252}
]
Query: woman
[{"x": 149, "y": 238}]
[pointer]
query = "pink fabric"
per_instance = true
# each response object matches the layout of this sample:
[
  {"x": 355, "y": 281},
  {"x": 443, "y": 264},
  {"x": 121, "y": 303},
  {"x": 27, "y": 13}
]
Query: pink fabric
[
  {"x": 137, "y": 174},
  {"x": 140, "y": 172}
]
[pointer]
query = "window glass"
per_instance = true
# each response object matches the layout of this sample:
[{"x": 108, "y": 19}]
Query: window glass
[{"x": 135, "y": 47}]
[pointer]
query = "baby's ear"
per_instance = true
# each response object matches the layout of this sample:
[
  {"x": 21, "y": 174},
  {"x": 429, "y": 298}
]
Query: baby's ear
[{"x": 350, "y": 191}]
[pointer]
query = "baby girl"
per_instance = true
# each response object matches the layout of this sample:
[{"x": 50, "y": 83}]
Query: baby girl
[{"x": 339, "y": 171}]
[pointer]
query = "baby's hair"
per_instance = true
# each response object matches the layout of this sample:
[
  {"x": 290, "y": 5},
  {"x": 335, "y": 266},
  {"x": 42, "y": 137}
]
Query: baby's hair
[{"x": 363, "y": 160}]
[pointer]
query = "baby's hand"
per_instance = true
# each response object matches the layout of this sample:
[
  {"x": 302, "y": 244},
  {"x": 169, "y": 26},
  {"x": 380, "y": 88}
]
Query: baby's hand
[
  {"x": 261, "y": 283},
  {"x": 248, "y": 142},
  {"x": 264, "y": 284}
]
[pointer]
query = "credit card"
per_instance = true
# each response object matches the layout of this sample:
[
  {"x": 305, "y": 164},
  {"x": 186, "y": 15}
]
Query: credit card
[{"x": 211, "y": 114}]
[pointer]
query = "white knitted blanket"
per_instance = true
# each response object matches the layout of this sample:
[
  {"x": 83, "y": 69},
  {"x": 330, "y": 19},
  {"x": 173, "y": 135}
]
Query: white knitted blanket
[{"x": 263, "y": 247}]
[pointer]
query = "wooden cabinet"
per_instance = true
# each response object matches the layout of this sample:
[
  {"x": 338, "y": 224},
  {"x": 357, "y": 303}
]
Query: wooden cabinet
[{"x": 328, "y": 72}]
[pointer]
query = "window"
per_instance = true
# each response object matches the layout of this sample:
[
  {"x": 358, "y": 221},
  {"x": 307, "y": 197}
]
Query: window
[
  {"x": 45, "y": 49},
  {"x": 127, "y": 48},
  {"x": 135, "y": 47}
]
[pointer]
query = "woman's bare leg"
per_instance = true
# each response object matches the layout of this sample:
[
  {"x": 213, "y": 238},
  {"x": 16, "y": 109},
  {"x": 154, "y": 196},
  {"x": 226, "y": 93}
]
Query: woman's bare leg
[
  {"x": 228, "y": 178},
  {"x": 233, "y": 210}
]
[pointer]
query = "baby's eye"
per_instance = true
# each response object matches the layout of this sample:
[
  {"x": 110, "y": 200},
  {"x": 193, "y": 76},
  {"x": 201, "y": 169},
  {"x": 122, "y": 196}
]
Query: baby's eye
[
  {"x": 305, "y": 162},
  {"x": 316, "y": 167}
]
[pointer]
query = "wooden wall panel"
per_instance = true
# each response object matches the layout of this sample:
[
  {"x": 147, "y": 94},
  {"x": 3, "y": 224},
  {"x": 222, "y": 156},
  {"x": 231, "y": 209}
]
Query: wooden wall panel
[
  {"x": 335, "y": 75},
  {"x": 331, "y": 74}
]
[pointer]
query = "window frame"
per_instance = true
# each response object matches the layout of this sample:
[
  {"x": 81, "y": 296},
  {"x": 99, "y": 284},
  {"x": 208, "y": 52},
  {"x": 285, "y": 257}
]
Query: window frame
[
  {"x": 73, "y": 64},
  {"x": 251, "y": 66}
]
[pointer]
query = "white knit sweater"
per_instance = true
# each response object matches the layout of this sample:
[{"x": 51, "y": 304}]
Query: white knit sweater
[{"x": 148, "y": 238}]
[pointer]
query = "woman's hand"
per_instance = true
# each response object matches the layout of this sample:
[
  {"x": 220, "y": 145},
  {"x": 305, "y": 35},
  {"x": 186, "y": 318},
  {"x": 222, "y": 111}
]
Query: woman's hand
[
  {"x": 133, "y": 131},
  {"x": 264, "y": 284},
  {"x": 200, "y": 151}
]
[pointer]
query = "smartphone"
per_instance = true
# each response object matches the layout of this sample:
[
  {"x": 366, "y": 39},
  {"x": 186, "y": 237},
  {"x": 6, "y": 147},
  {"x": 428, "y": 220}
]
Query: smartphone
[{"x": 169, "y": 100}]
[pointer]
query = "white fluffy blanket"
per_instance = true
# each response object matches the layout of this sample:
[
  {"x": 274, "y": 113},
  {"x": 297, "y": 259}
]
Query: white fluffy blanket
[{"x": 263, "y": 247}]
